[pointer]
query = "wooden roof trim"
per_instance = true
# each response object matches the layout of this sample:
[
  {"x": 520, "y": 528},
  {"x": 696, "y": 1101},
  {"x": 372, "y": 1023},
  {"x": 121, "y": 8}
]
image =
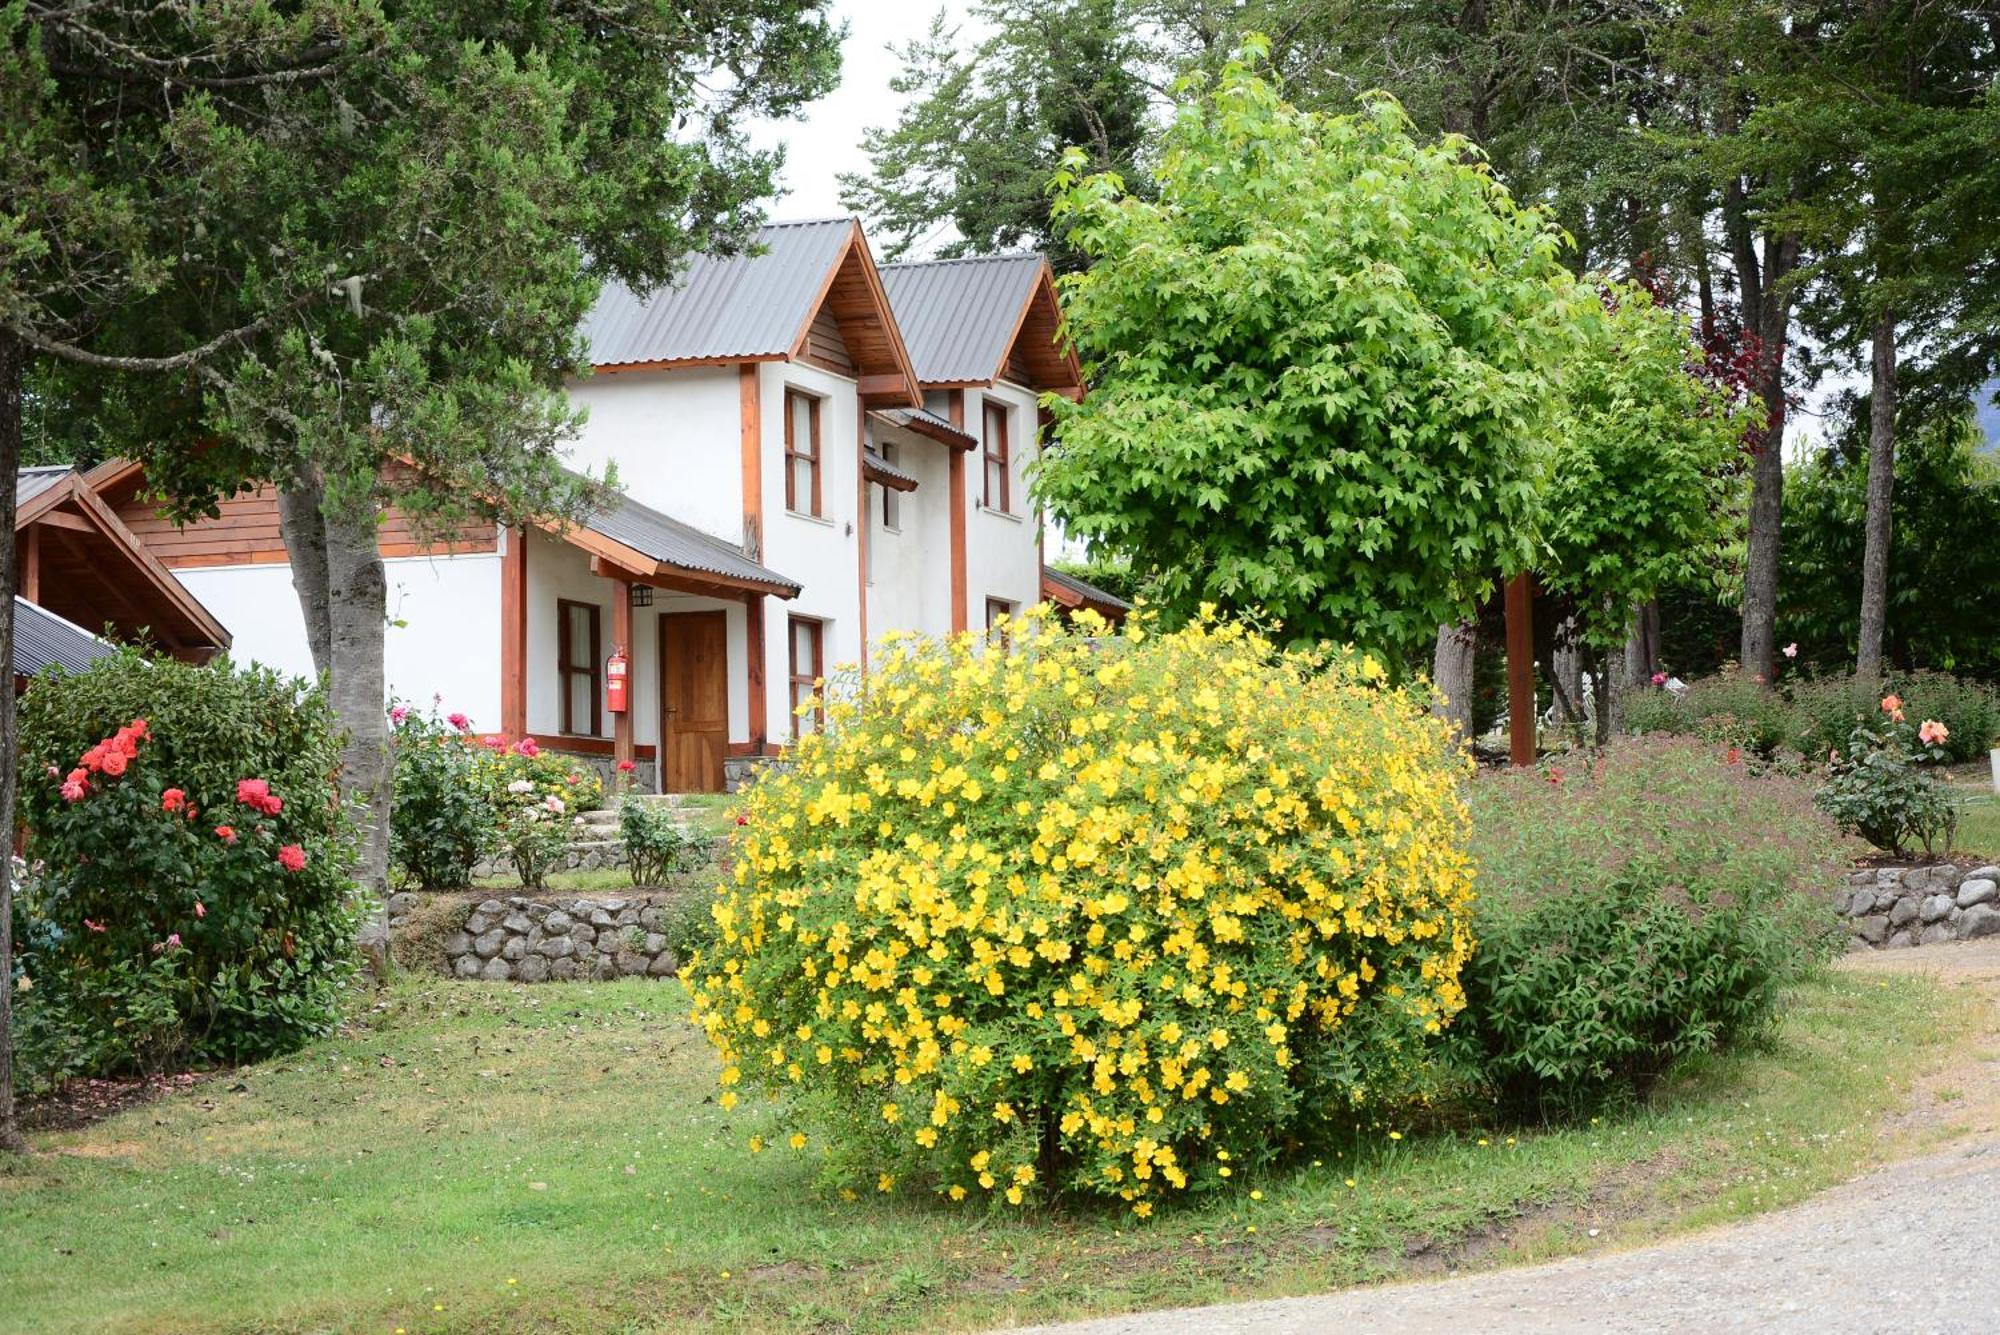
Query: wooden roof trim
[
  {"x": 682, "y": 363},
  {"x": 1044, "y": 287},
  {"x": 186, "y": 603},
  {"x": 856, "y": 248},
  {"x": 680, "y": 579},
  {"x": 875, "y": 473}
]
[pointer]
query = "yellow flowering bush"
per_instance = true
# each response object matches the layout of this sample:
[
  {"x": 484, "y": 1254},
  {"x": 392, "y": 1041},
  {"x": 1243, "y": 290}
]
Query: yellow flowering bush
[{"x": 1108, "y": 913}]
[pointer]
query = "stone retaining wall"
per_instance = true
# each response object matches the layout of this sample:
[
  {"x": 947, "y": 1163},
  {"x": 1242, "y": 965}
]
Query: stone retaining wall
[
  {"x": 517, "y": 939},
  {"x": 1920, "y": 906}
]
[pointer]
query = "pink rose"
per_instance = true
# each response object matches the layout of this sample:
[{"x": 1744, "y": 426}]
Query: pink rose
[
  {"x": 292, "y": 858},
  {"x": 75, "y": 786},
  {"x": 115, "y": 762},
  {"x": 460, "y": 722},
  {"x": 200, "y": 909},
  {"x": 398, "y": 714},
  {"x": 527, "y": 747},
  {"x": 1659, "y": 679},
  {"x": 173, "y": 940},
  {"x": 1792, "y": 650},
  {"x": 226, "y": 833},
  {"x": 93, "y": 926},
  {"x": 1891, "y": 704},
  {"x": 1932, "y": 732}
]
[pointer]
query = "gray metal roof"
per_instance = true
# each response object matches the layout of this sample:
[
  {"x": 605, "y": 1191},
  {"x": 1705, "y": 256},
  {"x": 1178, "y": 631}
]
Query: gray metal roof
[
  {"x": 42, "y": 638},
  {"x": 924, "y": 422},
  {"x": 957, "y": 316},
  {"x": 876, "y": 464},
  {"x": 671, "y": 542},
  {"x": 32, "y": 482},
  {"x": 1083, "y": 588},
  {"x": 751, "y": 305}
]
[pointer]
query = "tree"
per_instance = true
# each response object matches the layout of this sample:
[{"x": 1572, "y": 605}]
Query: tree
[
  {"x": 1899, "y": 91},
  {"x": 1643, "y": 489},
  {"x": 1342, "y": 426},
  {"x": 300, "y": 247},
  {"x": 984, "y": 128}
]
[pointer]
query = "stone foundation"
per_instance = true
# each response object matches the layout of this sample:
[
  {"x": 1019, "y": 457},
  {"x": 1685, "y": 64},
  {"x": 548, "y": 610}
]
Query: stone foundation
[
  {"x": 1888, "y": 907},
  {"x": 522, "y": 940}
]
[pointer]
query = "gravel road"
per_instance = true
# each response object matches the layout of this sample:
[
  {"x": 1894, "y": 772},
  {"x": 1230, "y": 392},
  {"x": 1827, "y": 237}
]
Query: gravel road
[{"x": 1904, "y": 1249}]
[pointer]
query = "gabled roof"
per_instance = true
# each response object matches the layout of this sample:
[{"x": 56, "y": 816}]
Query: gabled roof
[
  {"x": 965, "y": 320},
  {"x": 926, "y": 423},
  {"x": 43, "y": 639},
  {"x": 94, "y": 568},
  {"x": 760, "y": 306},
  {"x": 878, "y": 469},
  {"x": 642, "y": 542}
]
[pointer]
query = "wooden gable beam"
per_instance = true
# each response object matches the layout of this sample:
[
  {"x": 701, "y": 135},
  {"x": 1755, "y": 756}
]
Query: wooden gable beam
[{"x": 162, "y": 579}]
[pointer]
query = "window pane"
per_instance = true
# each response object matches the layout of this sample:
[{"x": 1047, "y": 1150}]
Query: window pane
[
  {"x": 579, "y": 635},
  {"x": 579, "y": 702},
  {"x": 996, "y": 473},
  {"x": 804, "y": 637},
  {"x": 802, "y": 486},
  {"x": 802, "y": 421}
]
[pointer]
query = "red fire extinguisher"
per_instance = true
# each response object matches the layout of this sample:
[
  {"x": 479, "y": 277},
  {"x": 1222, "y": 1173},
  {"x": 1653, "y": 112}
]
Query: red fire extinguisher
[{"x": 616, "y": 671}]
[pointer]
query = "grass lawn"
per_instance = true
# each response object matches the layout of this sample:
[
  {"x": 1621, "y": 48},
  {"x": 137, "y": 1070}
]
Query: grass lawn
[{"x": 476, "y": 1157}]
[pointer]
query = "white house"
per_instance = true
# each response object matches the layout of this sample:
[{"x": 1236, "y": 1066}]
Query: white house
[{"x": 813, "y": 451}]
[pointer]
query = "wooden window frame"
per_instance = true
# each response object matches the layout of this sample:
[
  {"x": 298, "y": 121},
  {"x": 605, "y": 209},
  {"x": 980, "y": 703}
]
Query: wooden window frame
[
  {"x": 993, "y": 411},
  {"x": 995, "y": 609},
  {"x": 566, "y": 668},
  {"x": 892, "y": 508},
  {"x": 802, "y": 686},
  {"x": 811, "y": 454}
]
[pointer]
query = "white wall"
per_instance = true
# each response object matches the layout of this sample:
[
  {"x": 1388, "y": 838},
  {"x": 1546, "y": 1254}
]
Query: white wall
[
  {"x": 677, "y": 439},
  {"x": 911, "y": 588},
  {"x": 448, "y": 642},
  {"x": 1002, "y": 553},
  {"x": 821, "y": 553}
]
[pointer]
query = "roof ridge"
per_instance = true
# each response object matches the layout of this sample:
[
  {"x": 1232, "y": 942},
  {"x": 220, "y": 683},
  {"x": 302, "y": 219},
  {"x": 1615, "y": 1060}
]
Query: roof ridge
[{"x": 967, "y": 259}]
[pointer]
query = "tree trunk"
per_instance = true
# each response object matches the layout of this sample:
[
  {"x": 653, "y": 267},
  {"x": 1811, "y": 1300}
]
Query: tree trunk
[
  {"x": 1771, "y": 308},
  {"x": 1881, "y": 486},
  {"x": 1451, "y": 670},
  {"x": 337, "y": 571},
  {"x": 1566, "y": 676},
  {"x": 1642, "y": 646},
  {"x": 1610, "y": 695},
  {"x": 13, "y": 366}
]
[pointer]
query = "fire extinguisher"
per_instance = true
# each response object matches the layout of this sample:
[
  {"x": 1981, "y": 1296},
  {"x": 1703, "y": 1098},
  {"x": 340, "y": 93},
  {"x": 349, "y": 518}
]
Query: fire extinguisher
[{"x": 616, "y": 671}]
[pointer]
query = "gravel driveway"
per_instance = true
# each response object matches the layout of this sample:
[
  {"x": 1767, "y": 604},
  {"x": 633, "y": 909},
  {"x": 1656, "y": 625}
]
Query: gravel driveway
[{"x": 1905, "y": 1249}]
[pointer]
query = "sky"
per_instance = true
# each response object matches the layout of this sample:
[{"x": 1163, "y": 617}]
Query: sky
[{"x": 827, "y": 141}]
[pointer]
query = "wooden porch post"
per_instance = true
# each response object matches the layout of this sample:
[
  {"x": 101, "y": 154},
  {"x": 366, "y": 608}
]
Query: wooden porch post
[
  {"x": 1521, "y": 670},
  {"x": 31, "y": 564},
  {"x": 753, "y": 649},
  {"x": 621, "y": 640},
  {"x": 514, "y": 634}
]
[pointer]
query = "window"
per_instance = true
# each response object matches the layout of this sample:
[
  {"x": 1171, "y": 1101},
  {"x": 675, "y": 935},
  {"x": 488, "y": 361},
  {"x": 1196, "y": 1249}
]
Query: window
[
  {"x": 808, "y": 641},
  {"x": 892, "y": 509},
  {"x": 996, "y": 457},
  {"x": 995, "y": 609},
  {"x": 579, "y": 664},
  {"x": 801, "y": 453}
]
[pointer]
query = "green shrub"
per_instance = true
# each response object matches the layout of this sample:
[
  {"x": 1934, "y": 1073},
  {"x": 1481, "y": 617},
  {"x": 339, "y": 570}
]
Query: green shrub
[
  {"x": 1875, "y": 788},
  {"x": 689, "y": 928},
  {"x": 1814, "y": 715},
  {"x": 194, "y": 898},
  {"x": 1122, "y": 914},
  {"x": 1632, "y": 911},
  {"x": 657, "y": 846},
  {"x": 443, "y": 821}
]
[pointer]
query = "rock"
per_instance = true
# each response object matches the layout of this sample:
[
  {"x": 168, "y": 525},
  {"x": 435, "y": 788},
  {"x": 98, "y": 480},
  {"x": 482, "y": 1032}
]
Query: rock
[
  {"x": 615, "y": 905},
  {"x": 631, "y": 964},
  {"x": 478, "y": 922},
  {"x": 1901, "y": 939},
  {"x": 583, "y": 934},
  {"x": 556, "y": 947},
  {"x": 467, "y": 966},
  {"x": 1977, "y": 890},
  {"x": 562, "y": 970},
  {"x": 492, "y": 908},
  {"x": 1866, "y": 877},
  {"x": 458, "y": 943},
  {"x": 1862, "y": 902},
  {"x": 1917, "y": 878},
  {"x": 600, "y": 917},
  {"x": 651, "y": 917},
  {"x": 654, "y": 943},
  {"x": 1935, "y": 933},
  {"x": 558, "y": 923},
  {"x": 1946, "y": 876},
  {"x": 627, "y": 917},
  {"x": 518, "y": 923},
  {"x": 663, "y": 965},
  {"x": 400, "y": 903},
  {"x": 1874, "y": 929},
  {"x": 489, "y": 943},
  {"x": 1983, "y": 874},
  {"x": 1856, "y": 946},
  {"x": 1889, "y": 876},
  {"x": 1979, "y": 920},
  {"x": 515, "y": 948},
  {"x": 534, "y": 969},
  {"x": 497, "y": 971},
  {"x": 1936, "y": 907},
  {"x": 1904, "y": 912}
]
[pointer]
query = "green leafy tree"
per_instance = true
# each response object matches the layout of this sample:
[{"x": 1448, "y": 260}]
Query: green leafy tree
[
  {"x": 300, "y": 244},
  {"x": 1340, "y": 425},
  {"x": 985, "y": 126},
  {"x": 1643, "y": 491}
]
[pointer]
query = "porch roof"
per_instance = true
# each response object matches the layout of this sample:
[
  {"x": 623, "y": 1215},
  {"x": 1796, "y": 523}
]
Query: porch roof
[
  {"x": 1067, "y": 590},
  {"x": 881, "y": 470},
  {"x": 651, "y": 547},
  {"x": 927, "y": 423},
  {"x": 43, "y": 639}
]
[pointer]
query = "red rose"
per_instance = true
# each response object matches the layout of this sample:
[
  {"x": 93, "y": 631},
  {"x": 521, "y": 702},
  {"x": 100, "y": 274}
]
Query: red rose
[
  {"x": 226, "y": 833},
  {"x": 115, "y": 762},
  {"x": 292, "y": 858},
  {"x": 174, "y": 799},
  {"x": 93, "y": 759}
]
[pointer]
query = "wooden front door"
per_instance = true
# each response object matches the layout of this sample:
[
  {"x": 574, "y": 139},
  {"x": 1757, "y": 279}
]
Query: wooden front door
[{"x": 694, "y": 700}]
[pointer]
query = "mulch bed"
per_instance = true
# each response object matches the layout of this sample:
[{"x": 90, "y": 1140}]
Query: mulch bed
[{"x": 81, "y": 1101}]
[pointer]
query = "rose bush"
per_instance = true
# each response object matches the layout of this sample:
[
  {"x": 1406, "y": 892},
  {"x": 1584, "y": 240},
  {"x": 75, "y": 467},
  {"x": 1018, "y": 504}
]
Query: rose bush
[
  {"x": 1877, "y": 787},
  {"x": 1112, "y": 913},
  {"x": 193, "y": 897}
]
